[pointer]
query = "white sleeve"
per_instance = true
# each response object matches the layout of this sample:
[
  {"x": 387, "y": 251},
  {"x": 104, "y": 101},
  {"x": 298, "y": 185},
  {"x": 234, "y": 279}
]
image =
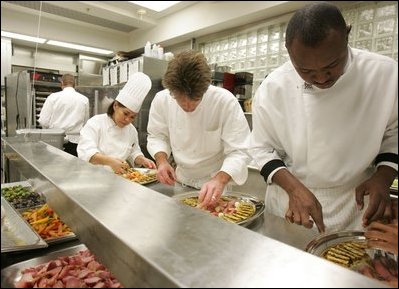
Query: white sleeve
[
  {"x": 263, "y": 143},
  {"x": 89, "y": 140},
  {"x": 136, "y": 150},
  {"x": 235, "y": 133},
  {"x": 158, "y": 132},
  {"x": 46, "y": 112}
]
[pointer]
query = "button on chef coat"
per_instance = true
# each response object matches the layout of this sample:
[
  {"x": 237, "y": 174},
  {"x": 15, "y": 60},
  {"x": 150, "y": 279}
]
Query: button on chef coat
[
  {"x": 67, "y": 110},
  {"x": 203, "y": 142},
  {"x": 102, "y": 135}
]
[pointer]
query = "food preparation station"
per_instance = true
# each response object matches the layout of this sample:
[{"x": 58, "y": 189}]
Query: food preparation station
[{"x": 148, "y": 239}]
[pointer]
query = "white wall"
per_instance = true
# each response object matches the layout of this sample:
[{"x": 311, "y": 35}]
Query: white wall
[{"x": 5, "y": 58}]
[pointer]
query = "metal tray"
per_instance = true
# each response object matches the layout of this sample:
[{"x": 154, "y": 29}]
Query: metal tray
[
  {"x": 51, "y": 241},
  {"x": 23, "y": 184},
  {"x": 12, "y": 274},
  {"x": 147, "y": 172},
  {"x": 321, "y": 243},
  {"x": 259, "y": 205},
  {"x": 16, "y": 233}
]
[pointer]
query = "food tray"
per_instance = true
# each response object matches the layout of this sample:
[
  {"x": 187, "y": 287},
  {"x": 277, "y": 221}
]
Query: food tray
[
  {"x": 16, "y": 233},
  {"x": 371, "y": 262},
  {"x": 39, "y": 199},
  {"x": 12, "y": 274},
  {"x": 150, "y": 173},
  {"x": 259, "y": 205},
  {"x": 50, "y": 241}
]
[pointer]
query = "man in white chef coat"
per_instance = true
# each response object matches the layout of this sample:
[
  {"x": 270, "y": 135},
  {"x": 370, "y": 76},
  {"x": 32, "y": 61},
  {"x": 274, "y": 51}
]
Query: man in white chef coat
[
  {"x": 325, "y": 127},
  {"x": 110, "y": 139},
  {"x": 203, "y": 126},
  {"x": 67, "y": 110}
]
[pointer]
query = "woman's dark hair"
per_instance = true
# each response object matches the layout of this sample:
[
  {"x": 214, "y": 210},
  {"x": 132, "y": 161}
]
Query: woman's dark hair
[
  {"x": 188, "y": 73},
  {"x": 111, "y": 110},
  {"x": 312, "y": 24}
]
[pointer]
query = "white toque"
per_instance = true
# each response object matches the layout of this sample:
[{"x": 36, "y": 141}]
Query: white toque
[{"x": 134, "y": 92}]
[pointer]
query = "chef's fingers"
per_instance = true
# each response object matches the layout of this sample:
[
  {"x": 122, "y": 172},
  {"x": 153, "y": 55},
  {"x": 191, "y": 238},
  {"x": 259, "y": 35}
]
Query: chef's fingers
[
  {"x": 289, "y": 216},
  {"x": 359, "y": 195},
  {"x": 374, "y": 211},
  {"x": 317, "y": 216}
]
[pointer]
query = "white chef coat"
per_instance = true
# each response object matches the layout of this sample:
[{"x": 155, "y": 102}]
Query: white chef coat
[
  {"x": 330, "y": 139},
  {"x": 203, "y": 142},
  {"x": 102, "y": 135},
  {"x": 67, "y": 110}
]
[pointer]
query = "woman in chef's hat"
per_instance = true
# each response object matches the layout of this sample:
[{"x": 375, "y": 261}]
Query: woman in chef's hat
[{"x": 110, "y": 139}]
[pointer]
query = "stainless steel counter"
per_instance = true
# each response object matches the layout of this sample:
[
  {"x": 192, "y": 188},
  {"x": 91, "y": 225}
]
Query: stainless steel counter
[{"x": 147, "y": 239}]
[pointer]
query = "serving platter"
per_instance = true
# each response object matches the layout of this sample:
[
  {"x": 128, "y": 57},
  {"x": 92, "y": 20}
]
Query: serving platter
[
  {"x": 349, "y": 249},
  {"x": 16, "y": 233},
  {"x": 141, "y": 175},
  {"x": 248, "y": 208}
]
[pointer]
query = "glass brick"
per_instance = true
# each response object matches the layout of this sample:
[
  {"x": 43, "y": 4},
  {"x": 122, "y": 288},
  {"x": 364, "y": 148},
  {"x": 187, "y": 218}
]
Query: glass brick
[
  {"x": 365, "y": 30},
  {"x": 233, "y": 42},
  {"x": 251, "y": 51},
  {"x": 384, "y": 44},
  {"x": 252, "y": 38},
  {"x": 274, "y": 46},
  {"x": 233, "y": 54},
  {"x": 241, "y": 52},
  {"x": 366, "y": 14},
  {"x": 224, "y": 45},
  {"x": 262, "y": 61},
  {"x": 273, "y": 60},
  {"x": 386, "y": 26},
  {"x": 364, "y": 44},
  {"x": 263, "y": 35},
  {"x": 250, "y": 63},
  {"x": 274, "y": 32},
  {"x": 262, "y": 49},
  {"x": 242, "y": 40},
  {"x": 384, "y": 11}
]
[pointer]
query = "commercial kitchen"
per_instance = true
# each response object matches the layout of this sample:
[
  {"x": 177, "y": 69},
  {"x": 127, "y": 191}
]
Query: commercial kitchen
[{"x": 142, "y": 232}]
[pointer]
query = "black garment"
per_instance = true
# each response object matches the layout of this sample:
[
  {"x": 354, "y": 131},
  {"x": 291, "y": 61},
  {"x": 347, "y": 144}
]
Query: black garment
[{"x": 70, "y": 148}]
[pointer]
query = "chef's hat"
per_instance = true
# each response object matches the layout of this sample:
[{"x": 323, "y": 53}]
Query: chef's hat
[{"x": 135, "y": 90}]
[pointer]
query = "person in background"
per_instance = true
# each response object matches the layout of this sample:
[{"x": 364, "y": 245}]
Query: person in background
[
  {"x": 67, "y": 110},
  {"x": 325, "y": 126},
  {"x": 110, "y": 139},
  {"x": 201, "y": 125}
]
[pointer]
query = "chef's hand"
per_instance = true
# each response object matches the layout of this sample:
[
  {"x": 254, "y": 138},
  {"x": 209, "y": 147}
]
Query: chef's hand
[
  {"x": 303, "y": 207},
  {"x": 145, "y": 162},
  {"x": 211, "y": 191},
  {"x": 377, "y": 187},
  {"x": 119, "y": 166},
  {"x": 383, "y": 236},
  {"x": 166, "y": 174}
]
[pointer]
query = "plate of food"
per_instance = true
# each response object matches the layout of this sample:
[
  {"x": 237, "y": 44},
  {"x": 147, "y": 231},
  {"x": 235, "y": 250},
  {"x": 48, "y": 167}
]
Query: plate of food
[
  {"x": 140, "y": 175},
  {"x": 349, "y": 249},
  {"x": 234, "y": 207}
]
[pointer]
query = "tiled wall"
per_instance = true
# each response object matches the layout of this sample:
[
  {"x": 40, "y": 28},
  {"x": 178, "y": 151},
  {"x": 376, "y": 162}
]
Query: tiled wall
[{"x": 261, "y": 49}]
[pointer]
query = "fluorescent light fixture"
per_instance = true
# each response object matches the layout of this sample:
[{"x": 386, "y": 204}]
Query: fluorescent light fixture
[
  {"x": 156, "y": 5},
  {"x": 79, "y": 47},
  {"x": 23, "y": 37}
]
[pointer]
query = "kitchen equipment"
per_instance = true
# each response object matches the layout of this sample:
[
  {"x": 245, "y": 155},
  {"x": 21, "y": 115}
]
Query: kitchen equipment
[{"x": 52, "y": 136}]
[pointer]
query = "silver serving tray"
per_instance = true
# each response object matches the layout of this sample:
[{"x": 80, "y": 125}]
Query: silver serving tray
[
  {"x": 16, "y": 233},
  {"x": 145, "y": 172},
  {"x": 322, "y": 242},
  {"x": 12, "y": 274},
  {"x": 259, "y": 205},
  {"x": 51, "y": 241},
  {"x": 23, "y": 184}
]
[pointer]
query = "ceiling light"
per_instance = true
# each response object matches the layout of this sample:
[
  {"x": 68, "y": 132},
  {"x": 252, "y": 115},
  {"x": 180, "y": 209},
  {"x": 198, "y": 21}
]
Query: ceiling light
[
  {"x": 156, "y": 5},
  {"x": 23, "y": 37},
  {"x": 79, "y": 47}
]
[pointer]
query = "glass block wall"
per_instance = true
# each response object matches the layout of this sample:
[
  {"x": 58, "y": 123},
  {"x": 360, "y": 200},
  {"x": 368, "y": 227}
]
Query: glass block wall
[{"x": 261, "y": 49}]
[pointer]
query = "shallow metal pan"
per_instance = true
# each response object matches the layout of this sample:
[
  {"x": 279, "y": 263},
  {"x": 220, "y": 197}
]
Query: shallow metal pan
[
  {"x": 16, "y": 233},
  {"x": 12, "y": 274},
  {"x": 259, "y": 205}
]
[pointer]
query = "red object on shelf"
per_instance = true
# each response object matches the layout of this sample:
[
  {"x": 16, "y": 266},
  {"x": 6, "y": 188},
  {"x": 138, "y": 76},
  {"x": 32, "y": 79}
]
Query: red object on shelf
[{"x": 228, "y": 81}]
